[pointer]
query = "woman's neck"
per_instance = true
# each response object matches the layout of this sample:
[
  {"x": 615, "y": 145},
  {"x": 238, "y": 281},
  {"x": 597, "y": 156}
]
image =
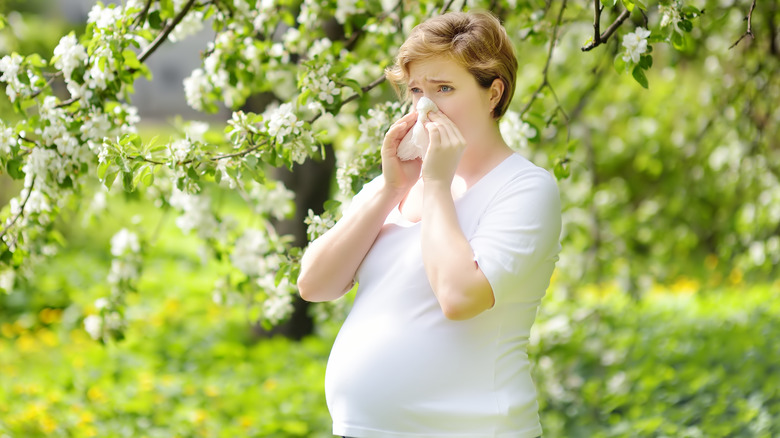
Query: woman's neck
[{"x": 482, "y": 154}]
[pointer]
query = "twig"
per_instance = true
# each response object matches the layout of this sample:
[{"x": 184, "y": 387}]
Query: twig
[
  {"x": 597, "y": 21},
  {"x": 167, "y": 31},
  {"x": 446, "y": 6},
  {"x": 749, "y": 30},
  {"x": 545, "y": 81},
  {"x": 48, "y": 83},
  {"x": 142, "y": 15},
  {"x": 19, "y": 214},
  {"x": 608, "y": 33}
]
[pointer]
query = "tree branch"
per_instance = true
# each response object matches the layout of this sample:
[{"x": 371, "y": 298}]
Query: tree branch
[
  {"x": 749, "y": 30},
  {"x": 167, "y": 31},
  {"x": 18, "y": 215},
  {"x": 142, "y": 15},
  {"x": 445, "y": 7},
  {"x": 607, "y": 33},
  {"x": 597, "y": 21},
  {"x": 545, "y": 81}
]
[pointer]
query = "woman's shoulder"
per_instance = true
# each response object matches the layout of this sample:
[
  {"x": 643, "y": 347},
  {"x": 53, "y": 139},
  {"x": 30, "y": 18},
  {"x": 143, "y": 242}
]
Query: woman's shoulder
[{"x": 519, "y": 170}]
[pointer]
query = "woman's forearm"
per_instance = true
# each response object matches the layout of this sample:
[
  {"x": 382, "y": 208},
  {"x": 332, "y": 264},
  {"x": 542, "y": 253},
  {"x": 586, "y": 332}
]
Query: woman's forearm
[
  {"x": 329, "y": 264},
  {"x": 460, "y": 287}
]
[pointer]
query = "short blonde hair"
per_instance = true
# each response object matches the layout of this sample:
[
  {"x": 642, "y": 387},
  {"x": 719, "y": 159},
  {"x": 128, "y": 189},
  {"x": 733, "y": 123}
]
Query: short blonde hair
[{"x": 475, "y": 40}]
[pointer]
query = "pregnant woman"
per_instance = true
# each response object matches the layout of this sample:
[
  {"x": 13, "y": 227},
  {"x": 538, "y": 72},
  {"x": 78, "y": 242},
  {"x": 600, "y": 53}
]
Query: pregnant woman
[{"x": 452, "y": 253}]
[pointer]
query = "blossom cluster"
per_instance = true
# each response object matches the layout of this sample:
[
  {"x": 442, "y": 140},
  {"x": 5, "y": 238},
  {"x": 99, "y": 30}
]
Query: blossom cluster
[
  {"x": 670, "y": 14},
  {"x": 515, "y": 131},
  {"x": 635, "y": 44}
]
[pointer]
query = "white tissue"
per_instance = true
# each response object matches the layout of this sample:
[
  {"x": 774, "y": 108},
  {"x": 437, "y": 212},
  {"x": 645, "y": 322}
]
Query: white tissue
[{"x": 415, "y": 142}]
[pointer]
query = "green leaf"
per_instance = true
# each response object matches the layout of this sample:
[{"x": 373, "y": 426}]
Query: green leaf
[
  {"x": 101, "y": 169},
  {"x": 646, "y": 61},
  {"x": 686, "y": 25},
  {"x": 130, "y": 58},
  {"x": 35, "y": 60},
  {"x": 561, "y": 169},
  {"x": 691, "y": 11},
  {"x": 629, "y": 5},
  {"x": 14, "y": 168},
  {"x": 110, "y": 178},
  {"x": 639, "y": 74},
  {"x": 678, "y": 42},
  {"x": 166, "y": 9},
  {"x": 127, "y": 181},
  {"x": 147, "y": 176}
]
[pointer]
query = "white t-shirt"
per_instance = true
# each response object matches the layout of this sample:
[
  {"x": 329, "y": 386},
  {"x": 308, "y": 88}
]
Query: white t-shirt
[{"x": 400, "y": 368}]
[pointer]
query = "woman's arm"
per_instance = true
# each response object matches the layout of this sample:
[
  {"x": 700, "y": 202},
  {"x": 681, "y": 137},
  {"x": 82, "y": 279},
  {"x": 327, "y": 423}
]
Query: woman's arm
[
  {"x": 461, "y": 288},
  {"x": 329, "y": 264}
]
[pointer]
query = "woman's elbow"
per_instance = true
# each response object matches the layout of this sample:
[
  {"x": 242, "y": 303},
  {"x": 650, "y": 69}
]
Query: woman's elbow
[
  {"x": 457, "y": 306},
  {"x": 306, "y": 290}
]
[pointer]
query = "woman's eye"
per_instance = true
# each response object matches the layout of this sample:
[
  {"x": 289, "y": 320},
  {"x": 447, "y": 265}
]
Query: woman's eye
[
  {"x": 445, "y": 88},
  {"x": 415, "y": 90}
]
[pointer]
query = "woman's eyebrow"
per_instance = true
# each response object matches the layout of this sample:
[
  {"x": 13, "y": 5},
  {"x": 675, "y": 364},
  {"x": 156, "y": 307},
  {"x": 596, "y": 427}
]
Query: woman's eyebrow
[{"x": 432, "y": 81}]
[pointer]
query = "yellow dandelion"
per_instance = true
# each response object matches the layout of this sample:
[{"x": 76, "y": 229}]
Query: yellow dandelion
[
  {"x": 685, "y": 285},
  {"x": 50, "y": 316},
  {"x": 7, "y": 330},
  {"x": 735, "y": 277},
  {"x": 48, "y": 337},
  {"x": 96, "y": 395},
  {"x": 199, "y": 416},
  {"x": 48, "y": 425},
  {"x": 212, "y": 391},
  {"x": 146, "y": 381},
  {"x": 269, "y": 385},
  {"x": 86, "y": 417},
  {"x": 26, "y": 343},
  {"x": 246, "y": 421}
]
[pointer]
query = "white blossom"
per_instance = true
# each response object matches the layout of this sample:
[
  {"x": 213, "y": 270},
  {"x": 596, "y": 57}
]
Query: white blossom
[
  {"x": 122, "y": 270},
  {"x": 196, "y": 214},
  {"x": 191, "y": 24},
  {"x": 180, "y": 149},
  {"x": 322, "y": 87},
  {"x": 101, "y": 303},
  {"x": 282, "y": 121},
  {"x": 515, "y": 131},
  {"x": 278, "y": 303},
  {"x": 93, "y": 324},
  {"x": 39, "y": 161},
  {"x": 196, "y": 87},
  {"x": 10, "y": 66},
  {"x": 97, "y": 78},
  {"x": 7, "y": 139},
  {"x": 124, "y": 241},
  {"x": 635, "y": 44},
  {"x": 196, "y": 131},
  {"x": 70, "y": 54},
  {"x": 249, "y": 251},
  {"x": 670, "y": 14},
  {"x": 344, "y": 8},
  {"x": 7, "y": 279},
  {"x": 95, "y": 129},
  {"x": 317, "y": 225},
  {"x": 104, "y": 17},
  {"x": 278, "y": 201}
]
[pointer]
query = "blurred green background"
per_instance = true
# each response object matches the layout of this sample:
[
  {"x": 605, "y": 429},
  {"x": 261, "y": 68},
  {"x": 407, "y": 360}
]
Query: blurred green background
[{"x": 662, "y": 320}]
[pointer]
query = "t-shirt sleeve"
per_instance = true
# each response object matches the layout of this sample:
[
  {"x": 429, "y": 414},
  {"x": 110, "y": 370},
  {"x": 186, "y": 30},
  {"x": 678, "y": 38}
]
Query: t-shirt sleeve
[
  {"x": 368, "y": 190},
  {"x": 516, "y": 242}
]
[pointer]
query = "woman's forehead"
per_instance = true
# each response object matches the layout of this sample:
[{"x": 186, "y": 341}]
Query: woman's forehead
[{"x": 438, "y": 69}]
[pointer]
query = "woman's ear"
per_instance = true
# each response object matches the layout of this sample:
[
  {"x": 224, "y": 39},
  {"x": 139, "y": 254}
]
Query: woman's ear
[{"x": 496, "y": 91}]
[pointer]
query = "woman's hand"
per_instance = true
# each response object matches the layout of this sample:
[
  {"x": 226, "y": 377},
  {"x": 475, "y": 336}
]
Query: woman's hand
[
  {"x": 399, "y": 175},
  {"x": 444, "y": 151}
]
